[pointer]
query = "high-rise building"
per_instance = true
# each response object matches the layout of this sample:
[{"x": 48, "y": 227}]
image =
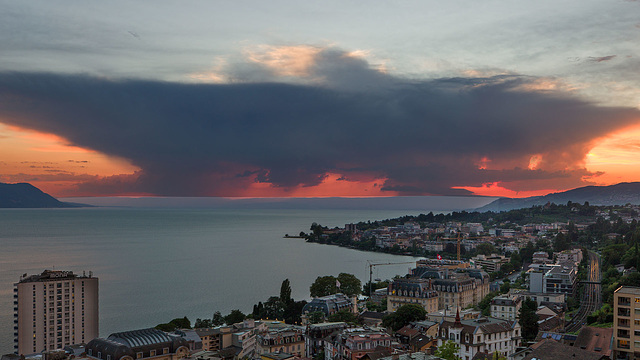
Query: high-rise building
[
  {"x": 626, "y": 322},
  {"x": 54, "y": 309}
]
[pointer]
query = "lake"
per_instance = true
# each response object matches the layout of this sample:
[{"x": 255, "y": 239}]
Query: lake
[{"x": 156, "y": 264}]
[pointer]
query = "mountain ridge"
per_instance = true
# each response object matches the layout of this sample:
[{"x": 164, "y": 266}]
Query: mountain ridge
[
  {"x": 25, "y": 195},
  {"x": 618, "y": 194}
]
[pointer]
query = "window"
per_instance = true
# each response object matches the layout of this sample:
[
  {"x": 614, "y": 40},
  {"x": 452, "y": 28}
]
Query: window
[
  {"x": 152, "y": 353},
  {"x": 139, "y": 355}
]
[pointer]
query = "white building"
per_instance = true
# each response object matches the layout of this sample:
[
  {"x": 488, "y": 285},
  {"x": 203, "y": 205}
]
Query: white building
[
  {"x": 506, "y": 307},
  {"x": 481, "y": 335}
]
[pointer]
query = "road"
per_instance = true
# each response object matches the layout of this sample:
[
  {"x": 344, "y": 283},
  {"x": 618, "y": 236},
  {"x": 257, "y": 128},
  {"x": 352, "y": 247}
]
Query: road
[{"x": 591, "y": 298}]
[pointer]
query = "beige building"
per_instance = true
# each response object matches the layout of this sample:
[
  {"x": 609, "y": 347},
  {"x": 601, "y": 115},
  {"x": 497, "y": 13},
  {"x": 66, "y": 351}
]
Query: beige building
[
  {"x": 412, "y": 291},
  {"x": 288, "y": 340},
  {"x": 626, "y": 322},
  {"x": 54, "y": 309},
  {"x": 215, "y": 338}
]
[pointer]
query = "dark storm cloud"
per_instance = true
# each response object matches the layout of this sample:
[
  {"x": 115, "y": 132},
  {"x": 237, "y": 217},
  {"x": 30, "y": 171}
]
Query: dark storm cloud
[{"x": 425, "y": 137}]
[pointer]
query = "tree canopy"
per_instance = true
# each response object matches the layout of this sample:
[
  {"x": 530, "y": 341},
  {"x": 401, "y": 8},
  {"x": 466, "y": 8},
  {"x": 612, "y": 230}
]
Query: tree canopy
[
  {"x": 528, "y": 319},
  {"x": 449, "y": 351},
  {"x": 328, "y": 285},
  {"x": 403, "y": 316}
]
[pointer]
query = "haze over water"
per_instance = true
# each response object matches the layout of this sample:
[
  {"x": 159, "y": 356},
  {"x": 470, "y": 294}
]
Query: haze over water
[{"x": 156, "y": 264}]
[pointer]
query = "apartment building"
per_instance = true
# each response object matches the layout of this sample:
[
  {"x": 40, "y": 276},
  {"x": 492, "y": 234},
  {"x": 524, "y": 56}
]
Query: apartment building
[
  {"x": 352, "y": 344},
  {"x": 626, "y": 323},
  {"x": 506, "y": 307},
  {"x": 288, "y": 340},
  {"x": 54, "y": 309},
  {"x": 412, "y": 291},
  {"x": 481, "y": 335},
  {"x": 491, "y": 263}
]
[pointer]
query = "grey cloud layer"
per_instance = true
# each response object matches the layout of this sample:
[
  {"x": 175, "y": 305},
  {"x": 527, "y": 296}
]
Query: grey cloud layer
[{"x": 423, "y": 136}]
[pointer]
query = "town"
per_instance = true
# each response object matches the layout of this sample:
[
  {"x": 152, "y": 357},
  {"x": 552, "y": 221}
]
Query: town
[{"x": 549, "y": 282}]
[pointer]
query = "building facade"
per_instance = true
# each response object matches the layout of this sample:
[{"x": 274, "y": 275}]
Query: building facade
[
  {"x": 288, "y": 340},
  {"x": 506, "y": 307},
  {"x": 316, "y": 335},
  {"x": 481, "y": 335},
  {"x": 54, "y": 309},
  {"x": 626, "y": 322},
  {"x": 412, "y": 291},
  {"x": 352, "y": 344}
]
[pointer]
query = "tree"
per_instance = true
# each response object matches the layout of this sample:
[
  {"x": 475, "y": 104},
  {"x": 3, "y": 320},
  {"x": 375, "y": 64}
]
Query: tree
[
  {"x": 528, "y": 319},
  {"x": 203, "y": 323},
  {"x": 217, "y": 319},
  {"x": 293, "y": 312},
  {"x": 316, "y": 317},
  {"x": 497, "y": 356},
  {"x": 449, "y": 351},
  {"x": 177, "y": 323},
  {"x": 485, "y": 249},
  {"x": 485, "y": 304},
  {"x": 344, "y": 316},
  {"x": 273, "y": 309},
  {"x": 349, "y": 284},
  {"x": 323, "y": 286},
  {"x": 285, "y": 292},
  {"x": 234, "y": 316},
  {"x": 373, "y": 286},
  {"x": 403, "y": 316}
]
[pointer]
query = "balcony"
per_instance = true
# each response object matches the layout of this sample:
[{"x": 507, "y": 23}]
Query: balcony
[
  {"x": 623, "y": 344},
  {"x": 624, "y": 323},
  {"x": 624, "y": 312},
  {"x": 623, "y": 334},
  {"x": 624, "y": 301}
]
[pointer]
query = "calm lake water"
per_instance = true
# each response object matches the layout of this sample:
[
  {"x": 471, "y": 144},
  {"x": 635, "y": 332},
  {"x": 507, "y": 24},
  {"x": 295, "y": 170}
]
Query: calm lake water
[{"x": 158, "y": 264}]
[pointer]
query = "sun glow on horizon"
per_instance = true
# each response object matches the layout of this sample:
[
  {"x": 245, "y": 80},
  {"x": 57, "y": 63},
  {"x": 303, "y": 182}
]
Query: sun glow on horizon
[{"x": 50, "y": 163}]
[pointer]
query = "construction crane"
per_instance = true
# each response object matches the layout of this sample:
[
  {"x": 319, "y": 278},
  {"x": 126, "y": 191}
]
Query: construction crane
[{"x": 372, "y": 265}]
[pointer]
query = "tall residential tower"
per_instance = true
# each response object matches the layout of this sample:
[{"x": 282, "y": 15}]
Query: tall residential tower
[{"x": 54, "y": 309}]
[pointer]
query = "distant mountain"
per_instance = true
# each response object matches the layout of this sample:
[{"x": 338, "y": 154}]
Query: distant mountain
[
  {"x": 618, "y": 194},
  {"x": 25, "y": 195}
]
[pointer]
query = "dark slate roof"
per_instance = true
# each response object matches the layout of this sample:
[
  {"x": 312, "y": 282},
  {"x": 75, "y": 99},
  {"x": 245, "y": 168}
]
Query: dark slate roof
[
  {"x": 131, "y": 342},
  {"x": 552, "y": 350},
  {"x": 137, "y": 338},
  {"x": 506, "y": 301},
  {"x": 426, "y": 273},
  {"x": 328, "y": 304},
  {"x": 482, "y": 356},
  {"x": 594, "y": 339},
  {"x": 419, "y": 341},
  {"x": 372, "y": 315},
  {"x": 412, "y": 287}
]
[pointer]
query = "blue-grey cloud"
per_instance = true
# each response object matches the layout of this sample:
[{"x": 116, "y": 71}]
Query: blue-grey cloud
[{"x": 423, "y": 136}]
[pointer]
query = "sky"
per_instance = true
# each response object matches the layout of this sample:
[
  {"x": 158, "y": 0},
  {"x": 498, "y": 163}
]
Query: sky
[{"x": 318, "y": 99}]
